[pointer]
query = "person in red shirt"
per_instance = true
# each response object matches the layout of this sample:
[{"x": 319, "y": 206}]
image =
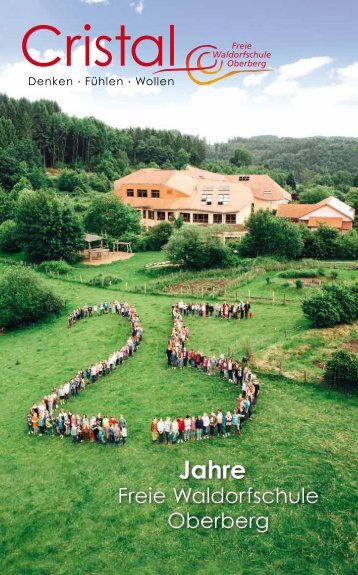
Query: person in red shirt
[{"x": 181, "y": 428}]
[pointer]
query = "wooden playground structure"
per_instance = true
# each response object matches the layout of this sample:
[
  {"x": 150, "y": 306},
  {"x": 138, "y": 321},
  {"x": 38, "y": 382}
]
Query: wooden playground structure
[{"x": 98, "y": 252}]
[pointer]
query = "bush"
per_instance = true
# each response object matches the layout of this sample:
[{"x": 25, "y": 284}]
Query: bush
[
  {"x": 25, "y": 298},
  {"x": 269, "y": 235},
  {"x": 99, "y": 182},
  {"x": 68, "y": 180},
  {"x": 197, "y": 249},
  {"x": 303, "y": 273},
  {"x": 108, "y": 215},
  {"x": 101, "y": 280},
  {"x": 9, "y": 237},
  {"x": 299, "y": 284},
  {"x": 348, "y": 246},
  {"x": 55, "y": 266},
  {"x": 158, "y": 236},
  {"x": 331, "y": 305},
  {"x": 342, "y": 369}
]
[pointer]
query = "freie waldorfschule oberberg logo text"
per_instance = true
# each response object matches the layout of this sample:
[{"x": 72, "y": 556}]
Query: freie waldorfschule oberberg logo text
[{"x": 204, "y": 64}]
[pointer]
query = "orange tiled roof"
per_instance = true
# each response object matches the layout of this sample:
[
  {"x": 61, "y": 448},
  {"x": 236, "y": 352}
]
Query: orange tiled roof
[
  {"x": 294, "y": 211},
  {"x": 261, "y": 183}
]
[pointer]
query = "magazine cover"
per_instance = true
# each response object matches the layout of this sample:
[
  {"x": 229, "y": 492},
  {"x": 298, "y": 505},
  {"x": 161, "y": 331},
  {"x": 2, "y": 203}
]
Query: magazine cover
[{"x": 178, "y": 287}]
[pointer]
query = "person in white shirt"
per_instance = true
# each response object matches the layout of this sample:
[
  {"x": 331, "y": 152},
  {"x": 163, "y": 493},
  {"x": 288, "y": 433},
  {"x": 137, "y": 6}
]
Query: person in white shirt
[
  {"x": 187, "y": 423},
  {"x": 124, "y": 434},
  {"x": 160, "y": 429}
]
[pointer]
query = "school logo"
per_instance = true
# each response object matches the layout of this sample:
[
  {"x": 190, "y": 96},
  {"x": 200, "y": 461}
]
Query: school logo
[{"x": 204, "y": 64}]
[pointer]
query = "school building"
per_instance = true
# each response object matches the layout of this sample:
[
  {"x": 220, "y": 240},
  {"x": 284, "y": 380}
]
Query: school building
[
  {"x": 330, "y": 212},
  {"x": 198, "y": 196}
]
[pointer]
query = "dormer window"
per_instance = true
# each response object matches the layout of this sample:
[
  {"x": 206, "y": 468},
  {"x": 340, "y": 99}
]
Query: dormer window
[
  {"x": 207, "y": 199},
  {"x": 267, "y": 192},
  {"x": 223, "y": 199}
]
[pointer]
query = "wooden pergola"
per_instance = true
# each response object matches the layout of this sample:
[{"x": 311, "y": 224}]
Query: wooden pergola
[
  {"x": 117, "y": 243},
  {"x": 97, "y": 250}
]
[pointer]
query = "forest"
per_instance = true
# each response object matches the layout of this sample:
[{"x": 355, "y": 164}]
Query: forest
[{"x": 40, "y": 134}]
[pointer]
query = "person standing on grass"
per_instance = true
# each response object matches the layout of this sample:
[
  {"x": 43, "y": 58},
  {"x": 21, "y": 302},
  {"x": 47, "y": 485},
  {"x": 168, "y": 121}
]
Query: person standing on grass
[
  {"x": 192, "y": 427},
  {"x": 199, "y": 428},
  {"x": 228, "y": 423},
  {"x": 175, "y": 430},
  {"x": 160, "y": 429},
  {"x": 74, "y": 433},
  {"x": 181, "y": 429},
  {"x": 235, "y": 422},
  {"x": 117, "y": 434},
  {"x": 206, "y": 424},
  {"x": 213, "y": 423},
  {"x": 29, "y": 423},
  {"x": 100, "y": 436},
  {"x": 124, "y": 434},
  {"x": 167, "y": 429},
  {"x": 219, "y": 421},
  {"x": 187, "y": 423},
  {"x": 154, "y": 429}
]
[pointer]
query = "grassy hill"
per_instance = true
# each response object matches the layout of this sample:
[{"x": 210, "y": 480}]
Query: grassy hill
[{"x": 59, "y": 509}]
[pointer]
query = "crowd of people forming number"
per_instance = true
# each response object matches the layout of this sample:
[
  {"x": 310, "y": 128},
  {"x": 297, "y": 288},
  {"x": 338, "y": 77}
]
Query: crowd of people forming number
[
  {"x": 42, "y": 419},
  {"x": 238, "y": 373},
  {"x": 241, "y": 310}
]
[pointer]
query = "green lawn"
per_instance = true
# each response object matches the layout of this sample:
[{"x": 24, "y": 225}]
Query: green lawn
[{"x": 59, "y": 510}]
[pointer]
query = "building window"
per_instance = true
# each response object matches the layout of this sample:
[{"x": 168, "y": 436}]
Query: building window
[
  {"x": 160, "y": 216},
  {"x": 244, "y": 178},
  {"x": 252, "y": 208},
  {"x": 142, "y": 193},
  {"x": 150, "y": 215},
  {"x": 186, "y": 217},
  {"x": 200, "y": 218},
  {"x": 144, "y": 213},
  {"x": 267, "y": 192},
  {"x": 223, "y": 199},
  {"x": 155, "y": 193},
  {"x": 207, "y": 189},
  {"x": 130, "y": 193},
  {"x": 170, "y": 215},
  {"x": 207, "y": 199},
  {"x": 218, "y": 219},
  {"x": 230, "y": 219},
  {"x": 224, "y": 188}
]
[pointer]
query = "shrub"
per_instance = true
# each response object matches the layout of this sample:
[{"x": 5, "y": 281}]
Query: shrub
[
  {"x": 197, "y": 249},
  {"x": 303, "y": 273},
  {"x": 348, "y": 246},
  {"x": 268, "y": 235},
  {"x": 299, "y": 284},
  {"x": 342, "y": 369},
  {"x": 9, "y": 237},
  {"x": 158, "y": 236},
  {"x": 331, "y": 305},
  {"x": 101, "y": 280},
  {"x": 333, "y": 275},
  {"x": 55, "y": 266},
  {"x": 268, "y": 280},
  {"x": 68, "y": 180},
  {"x": 25, "y": 298},
  {"x": 107, "y": 214},
  {"x": 99, "y": 182}
]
